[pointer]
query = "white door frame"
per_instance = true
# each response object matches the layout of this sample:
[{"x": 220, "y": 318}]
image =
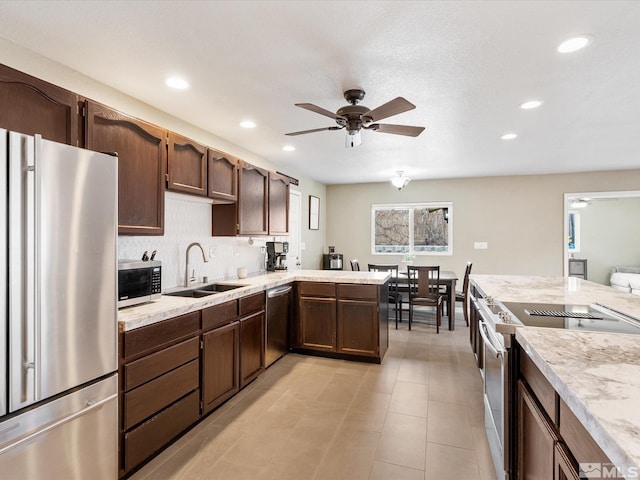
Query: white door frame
[{"x": 294, "y": 258}]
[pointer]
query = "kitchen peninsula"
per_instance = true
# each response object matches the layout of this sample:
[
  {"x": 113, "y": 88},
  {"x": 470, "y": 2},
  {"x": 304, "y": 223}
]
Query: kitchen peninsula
[
  {"x": 575, "y": 394},
  {"x": 182, "y": 357}
]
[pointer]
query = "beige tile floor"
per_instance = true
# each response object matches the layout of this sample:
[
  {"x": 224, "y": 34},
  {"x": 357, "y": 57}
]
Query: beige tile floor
[{"x": 419, "y": 415}]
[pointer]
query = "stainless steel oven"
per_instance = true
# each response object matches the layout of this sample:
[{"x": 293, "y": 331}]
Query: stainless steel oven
[{"x": 496, "y": 369}]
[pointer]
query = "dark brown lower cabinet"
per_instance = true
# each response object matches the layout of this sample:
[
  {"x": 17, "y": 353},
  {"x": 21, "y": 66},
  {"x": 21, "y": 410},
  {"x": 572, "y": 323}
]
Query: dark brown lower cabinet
[
  {"x": 564, "y": 465},
  {"x": 252, "y": 346},
  {"x": 160, "y": 386},
  {"x": 551, "y": 441},
  {"x": 536, "y": 438},
  {"x": 357, "y": 327},
  {"x": 144, "y": 440},
  {"x": 220, "y": 365},
  {"x": 317, "y": 323}
]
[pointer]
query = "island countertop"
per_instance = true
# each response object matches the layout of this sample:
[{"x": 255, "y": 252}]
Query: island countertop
[
  {"x": 559, "y": 290},
  {"x": 168, "y": 307},
  {"x": 598, "y": 377}
]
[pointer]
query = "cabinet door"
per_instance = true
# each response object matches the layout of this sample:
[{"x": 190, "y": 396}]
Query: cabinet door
[
  {"x": 29, "y": 105},
  {"x": 251, "y": 347},
  {"x": 358, "y": 327},
  {"x": 253, "y": 190},
  {"x": 536, "y": 438},
  {"x": 317, "y": 322},
  {"x": 220, "y": 365},
  {"x": 564, "y": 465},
  {"x": 222, "y": 176},
  {"x": 278, "y": 204},
  {"x": 186, "y": 165},
  {"x": 142, "y": 155}
]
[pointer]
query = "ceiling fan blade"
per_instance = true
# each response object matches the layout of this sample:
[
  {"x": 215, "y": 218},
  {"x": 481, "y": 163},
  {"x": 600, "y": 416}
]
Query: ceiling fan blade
[
  {"x": 389, "y": 109},
  {"x": 312, "y": 131},
  {"x": 408, "y": 130},
  {"x": 314, "y": 108}
]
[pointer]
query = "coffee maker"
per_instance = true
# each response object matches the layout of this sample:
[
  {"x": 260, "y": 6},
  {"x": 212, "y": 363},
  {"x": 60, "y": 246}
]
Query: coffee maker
[{"x": 277, "y": 256}]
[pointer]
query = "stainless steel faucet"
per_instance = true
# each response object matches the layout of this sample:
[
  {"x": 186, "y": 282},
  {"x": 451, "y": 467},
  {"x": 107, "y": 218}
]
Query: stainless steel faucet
[{"x": 188, "y": 280}]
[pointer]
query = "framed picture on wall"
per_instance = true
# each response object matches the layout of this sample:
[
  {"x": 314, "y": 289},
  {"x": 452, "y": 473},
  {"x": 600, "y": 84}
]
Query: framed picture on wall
[{"x": 314, "y": 213}]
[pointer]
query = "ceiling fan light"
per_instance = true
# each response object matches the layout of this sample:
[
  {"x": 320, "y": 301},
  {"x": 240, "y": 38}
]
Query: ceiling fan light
[
  {"x": 400, "y": 181},
  {"x": 353, "y": 140}
]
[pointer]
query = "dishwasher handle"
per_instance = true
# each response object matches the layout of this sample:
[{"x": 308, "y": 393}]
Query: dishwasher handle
[{"x": 278, "y": 291}]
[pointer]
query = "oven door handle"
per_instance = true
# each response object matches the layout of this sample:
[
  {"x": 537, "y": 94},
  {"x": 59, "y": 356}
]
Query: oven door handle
[{"x": 484, "y": 333}]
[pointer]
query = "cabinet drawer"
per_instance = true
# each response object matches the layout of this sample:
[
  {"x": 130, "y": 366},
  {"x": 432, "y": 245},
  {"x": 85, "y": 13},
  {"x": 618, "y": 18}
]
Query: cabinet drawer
[
  {"x": 357, "y": 292},
  {"x": 316, "y": 289},
  {"x": 154, "y": 365},
  {"x": 543, "y": 390},
  {"x": 154, "y": 336},
  {"x": 153, "y": 396},
  {"x": 251, "y": 304},
  {"x": 218, "y": 315},
  {"x": 152, "y": 435}
]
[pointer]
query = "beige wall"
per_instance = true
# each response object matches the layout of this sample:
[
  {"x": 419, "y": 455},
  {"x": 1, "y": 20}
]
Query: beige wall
[
  {"x": 609, "y": 236},
  {"x": 521, "y": 218},
  {"x": 31, "y": 63}
]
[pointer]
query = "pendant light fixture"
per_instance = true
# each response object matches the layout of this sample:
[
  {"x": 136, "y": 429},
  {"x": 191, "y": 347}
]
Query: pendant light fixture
[{"x": 400, "y": 181}]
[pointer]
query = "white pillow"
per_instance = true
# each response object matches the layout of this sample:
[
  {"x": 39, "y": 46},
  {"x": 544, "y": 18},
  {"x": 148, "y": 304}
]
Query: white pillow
[{"x": 619, "y": 279}]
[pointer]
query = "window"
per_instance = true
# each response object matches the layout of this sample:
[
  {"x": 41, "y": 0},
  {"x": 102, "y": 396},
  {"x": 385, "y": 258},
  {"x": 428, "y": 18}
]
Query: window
[{"x": 412, "y": 229}]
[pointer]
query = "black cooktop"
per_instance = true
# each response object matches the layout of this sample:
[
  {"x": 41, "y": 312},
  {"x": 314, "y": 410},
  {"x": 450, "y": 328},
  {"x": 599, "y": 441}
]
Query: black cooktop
[{"x": 573, "y": 317}]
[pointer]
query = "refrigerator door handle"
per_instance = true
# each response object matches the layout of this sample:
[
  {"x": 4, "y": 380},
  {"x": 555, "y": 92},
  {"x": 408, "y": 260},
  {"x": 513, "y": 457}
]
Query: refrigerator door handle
[
  {"x": 22, "y": 290},
  {"x": 90, "y": 406}
]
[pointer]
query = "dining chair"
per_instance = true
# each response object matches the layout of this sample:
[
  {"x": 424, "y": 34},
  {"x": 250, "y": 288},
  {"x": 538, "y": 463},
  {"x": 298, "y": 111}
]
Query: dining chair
[
  {"x": 355, "y": 265},
  {"x": 463, "y": 296},
  {"x": 424, "y": 291},
  {"x": 395, "y": 296}
]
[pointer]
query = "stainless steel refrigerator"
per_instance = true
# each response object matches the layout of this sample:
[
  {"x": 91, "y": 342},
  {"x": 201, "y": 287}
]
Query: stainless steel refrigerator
[{"x": 58, "y": 379}]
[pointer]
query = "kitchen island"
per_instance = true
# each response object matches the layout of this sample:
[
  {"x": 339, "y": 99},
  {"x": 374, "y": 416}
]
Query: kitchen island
[{"x": 588, "y": 378}]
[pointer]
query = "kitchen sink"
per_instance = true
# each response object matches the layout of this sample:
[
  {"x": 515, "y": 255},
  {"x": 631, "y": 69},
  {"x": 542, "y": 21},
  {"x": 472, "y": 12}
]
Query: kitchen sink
[
  {"x": 218, "y": 287},
  {"x": 203, "y": 291}
]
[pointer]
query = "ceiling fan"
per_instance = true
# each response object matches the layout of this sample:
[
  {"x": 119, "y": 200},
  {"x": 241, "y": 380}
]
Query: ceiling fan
[{"x": 354, "y": 117}]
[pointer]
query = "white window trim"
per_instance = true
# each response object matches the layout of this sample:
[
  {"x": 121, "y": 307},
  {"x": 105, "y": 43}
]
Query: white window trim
[{"x": 402, "y": 206}]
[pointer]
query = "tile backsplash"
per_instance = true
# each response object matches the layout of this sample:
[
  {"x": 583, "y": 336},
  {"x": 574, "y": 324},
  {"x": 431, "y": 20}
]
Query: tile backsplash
[{"x": 188, "y": 220}]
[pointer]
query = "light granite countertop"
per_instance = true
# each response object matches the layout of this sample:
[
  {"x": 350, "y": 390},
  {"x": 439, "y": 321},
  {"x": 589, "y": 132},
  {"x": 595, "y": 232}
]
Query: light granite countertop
[
  {"x": 567, "y": 290},
  {"x": 168, "y": 307},
  {"x": 598, "y": 377}
]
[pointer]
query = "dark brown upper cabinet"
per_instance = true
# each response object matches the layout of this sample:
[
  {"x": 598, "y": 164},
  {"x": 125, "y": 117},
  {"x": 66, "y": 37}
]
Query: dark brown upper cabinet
[
  {"x": 29, "y": 105},
  {"x": 253, "y": 198},
  {"x": 278, "y": 204},
  {"x": 222, "y": 176},
  {"x": 186, "y": 165},
  {"x": 142, "y": 156}
]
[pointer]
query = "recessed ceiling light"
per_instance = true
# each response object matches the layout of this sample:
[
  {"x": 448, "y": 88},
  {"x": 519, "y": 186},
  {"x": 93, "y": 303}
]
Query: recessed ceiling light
[
  {"x": 508, "y": 136},
  {"x": 575, "y": 43},
  {"x": 177, "y": 83},
  {"x": 288, "y": 148},
  {"x": 530, "y": 104},
  {"x": 248, "y": 124}
]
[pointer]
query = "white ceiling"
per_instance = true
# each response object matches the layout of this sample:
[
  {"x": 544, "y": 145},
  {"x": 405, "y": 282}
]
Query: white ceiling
[{"x": 466, "y": 65}]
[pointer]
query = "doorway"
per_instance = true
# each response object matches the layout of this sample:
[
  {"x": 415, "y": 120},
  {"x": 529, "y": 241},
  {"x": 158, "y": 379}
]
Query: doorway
[
  {"x": 601, "y": 230},
  {"x": 294, "y": 257}
]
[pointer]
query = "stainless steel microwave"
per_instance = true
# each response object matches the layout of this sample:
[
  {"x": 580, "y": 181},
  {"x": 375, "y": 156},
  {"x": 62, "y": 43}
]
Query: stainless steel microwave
[{"x": 138, "y": 282}]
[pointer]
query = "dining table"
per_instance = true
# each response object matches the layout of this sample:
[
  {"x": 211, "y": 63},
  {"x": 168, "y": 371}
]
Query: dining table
[{"x": 448, "y": 280}]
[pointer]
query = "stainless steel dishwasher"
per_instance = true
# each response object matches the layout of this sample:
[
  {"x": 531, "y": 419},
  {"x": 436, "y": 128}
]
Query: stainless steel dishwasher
[{"x": 277, "y": 335}]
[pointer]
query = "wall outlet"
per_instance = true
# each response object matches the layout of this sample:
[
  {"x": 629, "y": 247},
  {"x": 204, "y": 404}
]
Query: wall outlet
[{"x": 480, "y": 245}]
